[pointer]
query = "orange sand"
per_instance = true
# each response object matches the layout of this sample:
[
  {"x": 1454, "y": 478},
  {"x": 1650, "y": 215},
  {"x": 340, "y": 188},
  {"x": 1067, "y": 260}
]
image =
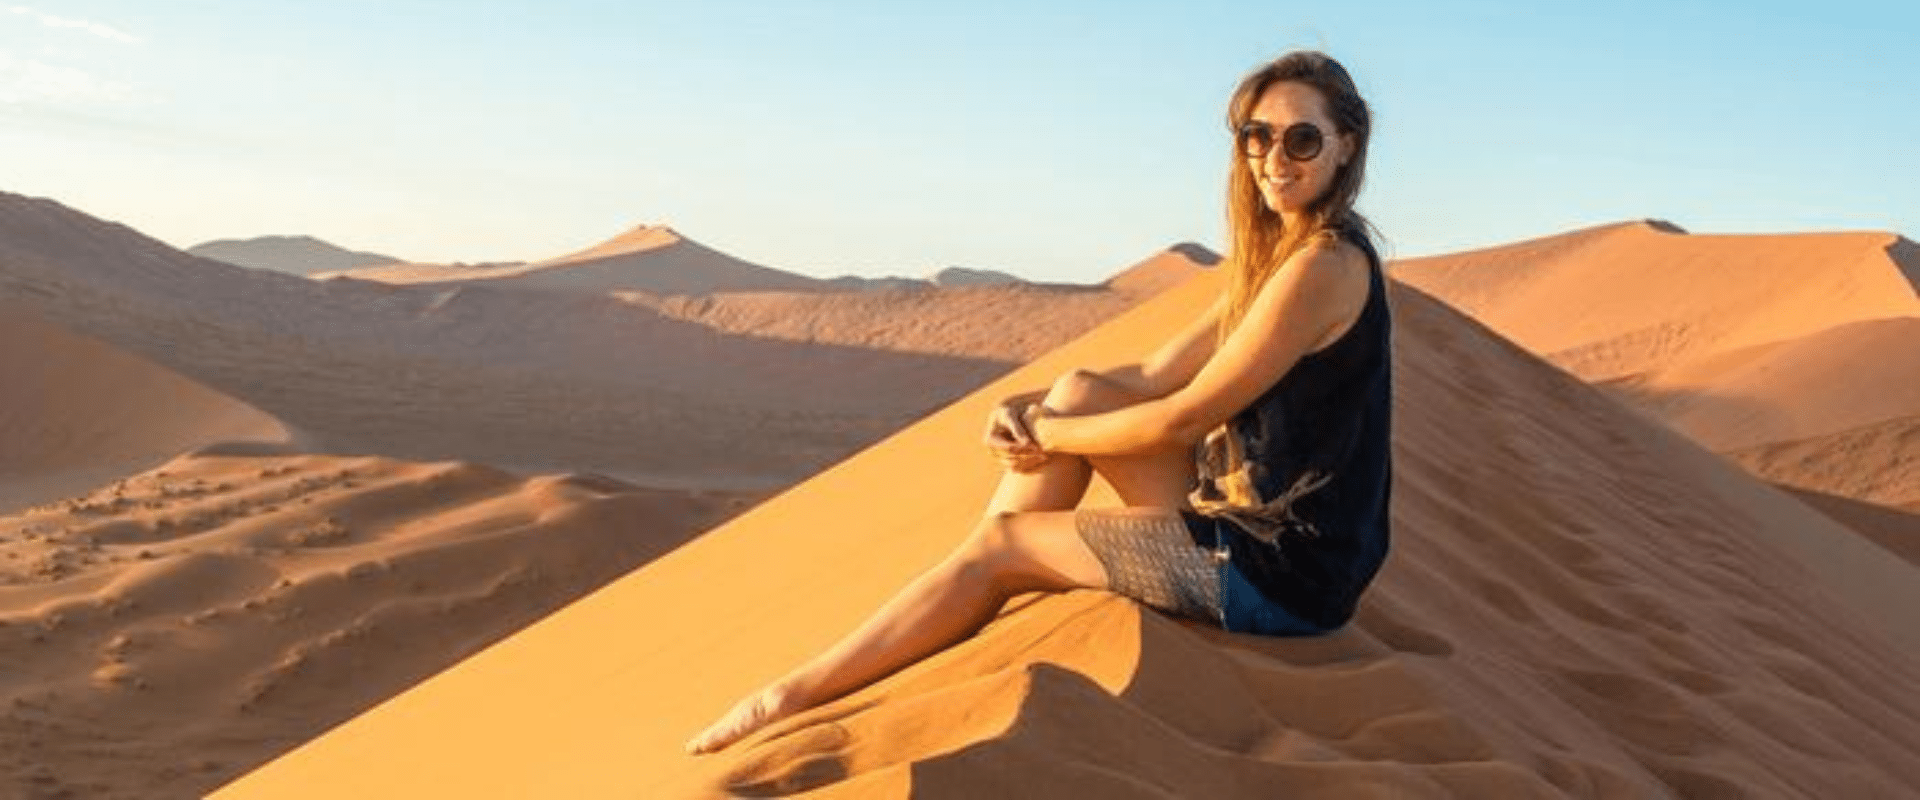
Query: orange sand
[
  {"x": 1797, "y": 356},
  {"x": 1580, "y": 603}
]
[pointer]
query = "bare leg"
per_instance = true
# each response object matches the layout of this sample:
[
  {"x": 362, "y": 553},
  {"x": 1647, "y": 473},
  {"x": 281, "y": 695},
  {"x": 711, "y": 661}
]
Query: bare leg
[
  {"x": 1026, "y": 541},
  {"x": 1007, "y": 555},
  {"x": 1057, "y": 485}
]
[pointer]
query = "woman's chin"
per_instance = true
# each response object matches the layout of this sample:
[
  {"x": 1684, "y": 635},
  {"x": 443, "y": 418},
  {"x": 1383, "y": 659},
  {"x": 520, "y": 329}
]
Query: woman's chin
[{"x": 1278, "y": 206}]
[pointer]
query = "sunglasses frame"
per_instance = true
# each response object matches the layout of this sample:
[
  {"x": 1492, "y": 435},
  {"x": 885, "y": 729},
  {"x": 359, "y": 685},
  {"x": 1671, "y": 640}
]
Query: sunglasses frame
[{"x": 1242, "y": 136}]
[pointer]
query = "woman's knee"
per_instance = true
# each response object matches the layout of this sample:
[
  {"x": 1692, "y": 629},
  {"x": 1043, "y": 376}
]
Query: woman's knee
[
  {"x": 990, "y": 540},
  {"x": 1026, "y": 551},
  {"x": 1083, "y": 391}
]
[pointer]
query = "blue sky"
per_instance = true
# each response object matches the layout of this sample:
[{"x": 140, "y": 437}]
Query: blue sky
[{"x": 1059, "y": 141}]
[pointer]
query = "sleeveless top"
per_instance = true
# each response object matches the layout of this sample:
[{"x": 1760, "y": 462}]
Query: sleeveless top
[{"x": 1297, "y": 483}]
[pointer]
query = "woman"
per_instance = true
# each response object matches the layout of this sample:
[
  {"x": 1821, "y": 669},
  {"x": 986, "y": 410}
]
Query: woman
[{"x": 1251, "y": 450}]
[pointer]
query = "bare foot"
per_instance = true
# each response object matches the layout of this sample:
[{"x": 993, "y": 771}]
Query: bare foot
[{"x": 750, "y": 714}]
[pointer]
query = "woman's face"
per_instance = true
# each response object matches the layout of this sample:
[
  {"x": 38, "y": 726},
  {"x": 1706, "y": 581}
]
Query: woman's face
[{"x": 1288, "y": 185}]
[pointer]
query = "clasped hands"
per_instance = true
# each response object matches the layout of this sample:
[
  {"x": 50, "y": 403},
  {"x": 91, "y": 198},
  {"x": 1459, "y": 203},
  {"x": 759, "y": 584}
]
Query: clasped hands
[{"x": 1010, "y": 434}]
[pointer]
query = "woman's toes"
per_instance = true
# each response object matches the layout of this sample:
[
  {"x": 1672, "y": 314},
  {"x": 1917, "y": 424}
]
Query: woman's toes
[{"x": 747, "y": 716}]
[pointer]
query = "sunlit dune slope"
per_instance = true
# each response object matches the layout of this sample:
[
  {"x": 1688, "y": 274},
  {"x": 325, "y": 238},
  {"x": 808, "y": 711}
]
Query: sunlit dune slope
[{"x": 1579, "y": 603}]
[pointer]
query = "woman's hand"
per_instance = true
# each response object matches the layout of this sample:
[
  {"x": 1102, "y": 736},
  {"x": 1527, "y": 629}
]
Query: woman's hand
[{"x": 1010, "y": 435}]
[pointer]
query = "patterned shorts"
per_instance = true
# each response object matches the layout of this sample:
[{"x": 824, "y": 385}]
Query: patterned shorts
[
  {"x": 1169, "y": 561},
  {"x": 1152, "y": 557}
]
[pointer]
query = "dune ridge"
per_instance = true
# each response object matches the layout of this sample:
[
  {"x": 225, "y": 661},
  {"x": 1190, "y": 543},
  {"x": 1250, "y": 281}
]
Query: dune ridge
[{"x": 1580, "y": 603}]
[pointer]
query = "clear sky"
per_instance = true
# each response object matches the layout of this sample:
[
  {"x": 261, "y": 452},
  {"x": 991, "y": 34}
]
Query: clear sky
[{"x": 1059, "y": 141}]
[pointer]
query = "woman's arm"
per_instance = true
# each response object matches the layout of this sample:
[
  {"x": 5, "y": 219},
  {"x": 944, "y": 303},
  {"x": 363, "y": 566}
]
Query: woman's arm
[
  {"x": 1165, "y": 369},
  {"x": 1317, "y": 289},
  {"x": 1176, "y": 362}
]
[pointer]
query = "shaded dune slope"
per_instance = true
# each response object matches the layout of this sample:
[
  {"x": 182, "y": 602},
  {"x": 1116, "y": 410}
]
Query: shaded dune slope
[
  {"x": 75, "y": 411},
  {"x": 1579, "y": 604},
  {"x": 188, "y": 622}
]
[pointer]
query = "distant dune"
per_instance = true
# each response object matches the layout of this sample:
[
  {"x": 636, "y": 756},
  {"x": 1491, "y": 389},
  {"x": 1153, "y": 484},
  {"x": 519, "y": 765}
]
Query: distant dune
[
  {"x": 1631, "y": 297},
  {"x": 1016, "y": 321},
  {"x": 294, "y": 255},
  {"x": 648, "y": 258},
  {"x": 1795, "y": 355},
  {"x": 534, "y": 380},
  {"x": 961, "y": 276},
  {"x": 1163, "y": 270},
  {"x": 76, "y": 413},
  {"x": 1835, "y": 379}
]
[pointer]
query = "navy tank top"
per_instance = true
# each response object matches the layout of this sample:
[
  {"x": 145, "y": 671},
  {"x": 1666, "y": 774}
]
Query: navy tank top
[{"x": 1297, "y": 484}]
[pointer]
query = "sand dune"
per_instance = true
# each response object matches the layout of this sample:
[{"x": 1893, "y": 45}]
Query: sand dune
[
  {"x": 294, "y": 255},
  {"x": 176, "y": 627},
  {"x": 76, "y": 412},
  {"x": 1163, "y": 270},
  {"x": 537, "y": 381},
  {"x": 1015, "y": 322},
  {"x": 1825, "y": 382},
  {"x": 650, "y": 258},
  {"x": 1580, "y": 603},
  {"x": 1632, "y": 297},
  {"x": 1794, "y": 355}
]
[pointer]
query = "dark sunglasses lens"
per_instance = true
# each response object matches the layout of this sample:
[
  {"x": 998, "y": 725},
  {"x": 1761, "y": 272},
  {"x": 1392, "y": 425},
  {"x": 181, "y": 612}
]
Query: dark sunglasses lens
[
  {"x": 1255, "y": 139},
  {"x": 1302, "y": 141}
]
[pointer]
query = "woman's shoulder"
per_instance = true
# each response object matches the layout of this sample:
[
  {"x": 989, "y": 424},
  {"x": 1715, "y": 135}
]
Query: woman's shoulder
[
  {"x": 1345, "y": 238},
  {"x": 1336, "y": 244}
]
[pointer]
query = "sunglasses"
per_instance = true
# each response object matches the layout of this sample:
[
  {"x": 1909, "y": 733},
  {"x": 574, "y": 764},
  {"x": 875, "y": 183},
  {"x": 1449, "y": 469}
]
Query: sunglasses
[{"x": 1301, "y": 141}]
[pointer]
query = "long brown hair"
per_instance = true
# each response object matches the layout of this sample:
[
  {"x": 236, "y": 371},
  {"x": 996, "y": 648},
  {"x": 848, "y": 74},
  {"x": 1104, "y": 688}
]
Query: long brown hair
[{"x": 1257, "y": 239}]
